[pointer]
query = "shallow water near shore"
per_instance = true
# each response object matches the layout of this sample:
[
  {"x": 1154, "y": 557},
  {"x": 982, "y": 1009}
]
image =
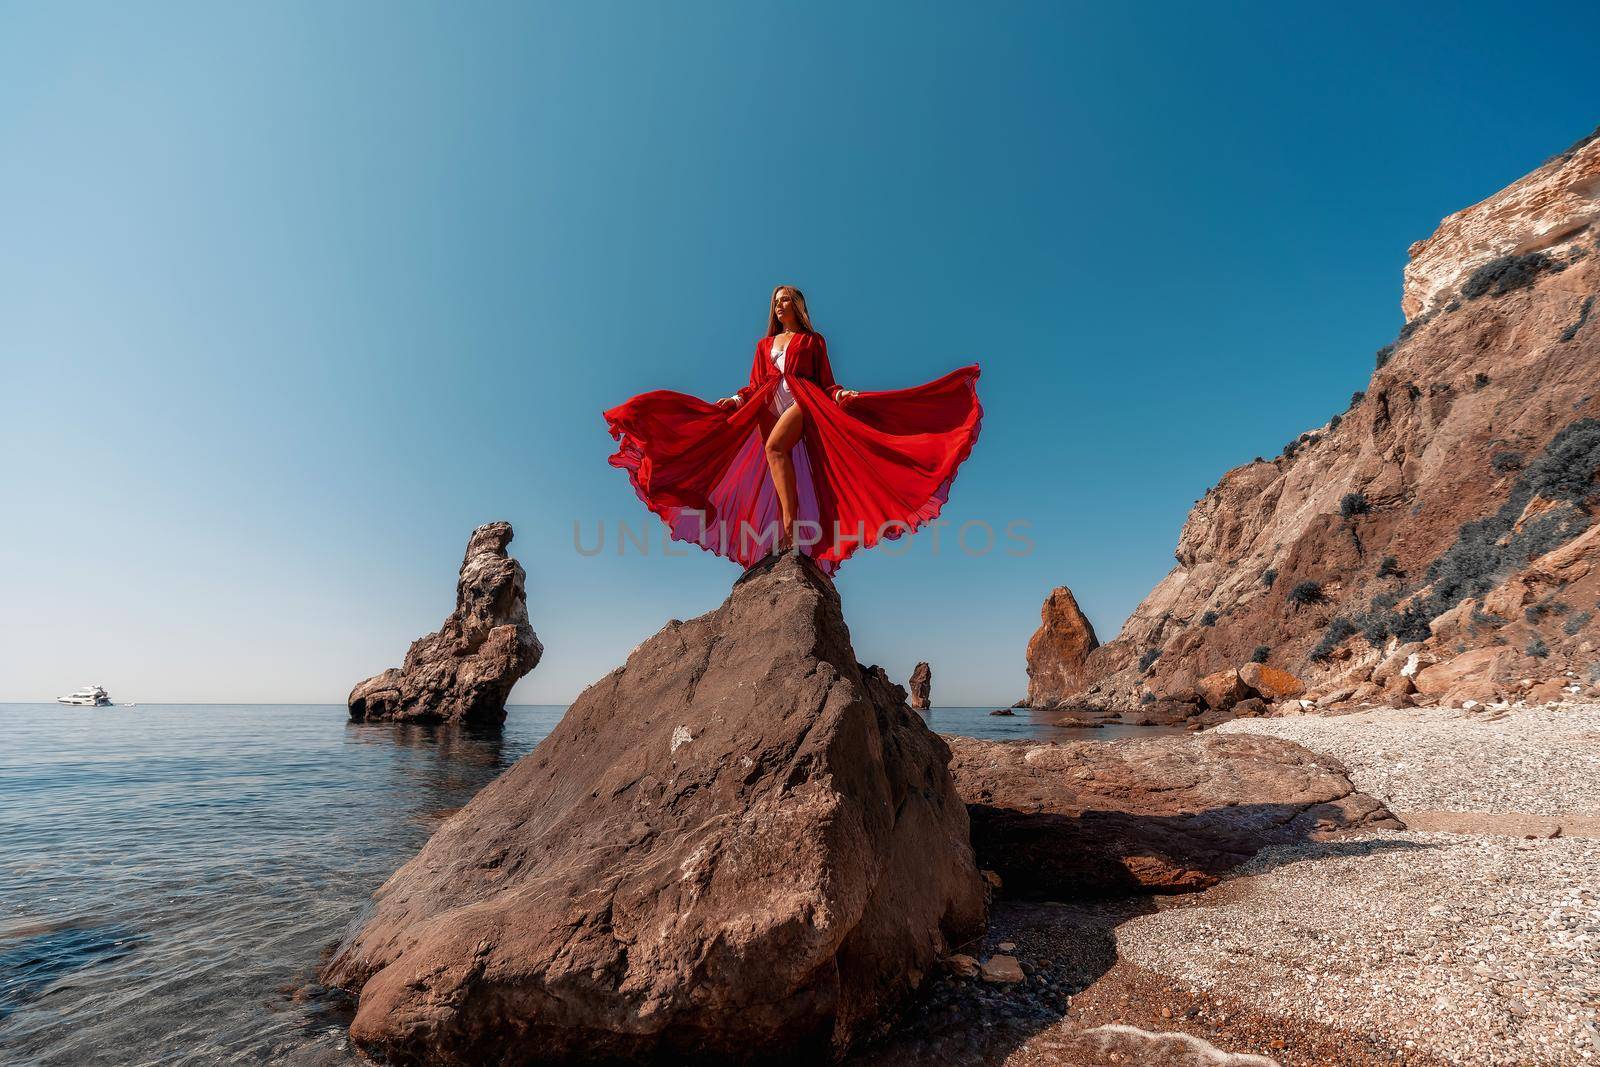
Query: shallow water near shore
[{"x": 172, "y": 875}]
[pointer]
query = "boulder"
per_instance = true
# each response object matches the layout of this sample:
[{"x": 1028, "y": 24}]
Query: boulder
[
  {"x": 1399, "y": 687},
  {"x": 1002, "y": 970},
  {"x": 961, "y": 965},
  {"x": 921, "y": 686},
  {"x": 1551, "y": 691},
  {"x": 1270, "y": 683},
  {"x": 739, "y": 846},
  {"x": 1180, "y": 686},
  {"x": 1250, "y": 708},
  {"x": 1161, "y": 713},
  {"x": 1394, "y": 662},
  {"x": 1222, "y": 689},
  {"x": 1062, "y": 821},
  {"x": 464, "y": 672},
  {"x": 1475, "y": 666},
  {"x": 1366, "y": 691},
  {"x": 1058, "y": 649}
]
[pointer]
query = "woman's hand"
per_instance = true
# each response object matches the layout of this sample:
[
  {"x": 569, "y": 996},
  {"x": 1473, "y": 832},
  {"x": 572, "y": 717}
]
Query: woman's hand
[
  {"x": 730, "y": 401},
  {"x": 844, "y": 394}
]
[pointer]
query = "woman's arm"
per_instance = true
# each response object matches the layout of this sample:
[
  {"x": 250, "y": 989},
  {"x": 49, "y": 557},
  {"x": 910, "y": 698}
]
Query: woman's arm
[
  {"x": 744, "y": 393},
  {"x": 825, "y": 374}
]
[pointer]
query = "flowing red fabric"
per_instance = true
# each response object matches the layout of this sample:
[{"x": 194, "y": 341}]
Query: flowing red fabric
[{"x": 875, "y": 467}]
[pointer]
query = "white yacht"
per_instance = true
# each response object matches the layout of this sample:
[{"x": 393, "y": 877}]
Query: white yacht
[{"x": 93, "y": 696}]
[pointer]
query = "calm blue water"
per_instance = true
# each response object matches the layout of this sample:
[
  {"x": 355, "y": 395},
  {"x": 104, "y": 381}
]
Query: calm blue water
[{"x": 172, "y": 875}]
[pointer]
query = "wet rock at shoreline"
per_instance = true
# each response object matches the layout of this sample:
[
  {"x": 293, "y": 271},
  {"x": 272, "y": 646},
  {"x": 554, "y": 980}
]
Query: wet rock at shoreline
[
  {"x": 921, "y": 686},
  {"x": 1063, "y": 821},
  {"x": 465, "y": 671},
  {"x": 740, "y": 845}
]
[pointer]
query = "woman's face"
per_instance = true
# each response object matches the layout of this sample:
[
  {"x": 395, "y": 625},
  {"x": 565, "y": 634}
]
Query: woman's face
[{"x": 783, "y": 306}]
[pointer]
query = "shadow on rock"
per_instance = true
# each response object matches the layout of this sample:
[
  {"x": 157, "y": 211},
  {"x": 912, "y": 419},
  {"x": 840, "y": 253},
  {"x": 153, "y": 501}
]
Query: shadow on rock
[
  {"x": 1050, "y": 856},
  {"x": 1062, "y": 948},
  {"x": 1084, "y": 819}
]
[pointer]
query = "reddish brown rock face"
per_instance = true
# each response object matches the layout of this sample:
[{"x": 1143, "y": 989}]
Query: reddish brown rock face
[
  {"x": 1066, "y": 820},
  {"x": 465, "y": 671},
  {"x": 1270, "y": 683},
  {"x": 1546, "y": 210},
  {"x": 1476, "y": 666},
  {"x": 1058, "y": 650},
  {"x": 739, "y": 846},
  {"x": 1222, "y": 689},
  {"x": 1459, "y": 487},
  {"x": 921, "y": 686}
]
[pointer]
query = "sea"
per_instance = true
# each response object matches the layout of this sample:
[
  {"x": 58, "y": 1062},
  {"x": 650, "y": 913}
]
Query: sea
[{"x": 173, "y": 875}]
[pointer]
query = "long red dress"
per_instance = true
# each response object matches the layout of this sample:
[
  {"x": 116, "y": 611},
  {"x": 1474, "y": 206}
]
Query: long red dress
[{"x": 878, "y": 466}]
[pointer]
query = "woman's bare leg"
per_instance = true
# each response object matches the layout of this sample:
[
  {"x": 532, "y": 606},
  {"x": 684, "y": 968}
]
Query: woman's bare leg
[{"x": 780, "y": 461}]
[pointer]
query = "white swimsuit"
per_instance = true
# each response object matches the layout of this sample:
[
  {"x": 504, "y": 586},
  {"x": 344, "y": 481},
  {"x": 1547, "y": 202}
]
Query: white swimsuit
[{"x": 782, "y": 398}]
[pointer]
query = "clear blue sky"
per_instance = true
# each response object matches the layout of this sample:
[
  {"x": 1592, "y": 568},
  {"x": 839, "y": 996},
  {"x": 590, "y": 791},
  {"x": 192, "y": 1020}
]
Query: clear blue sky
[{"x": 293, "y": 296}]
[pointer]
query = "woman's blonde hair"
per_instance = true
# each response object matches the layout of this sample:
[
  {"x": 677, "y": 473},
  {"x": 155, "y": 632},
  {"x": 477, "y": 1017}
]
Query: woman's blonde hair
[{"x": 776, "y": 327}]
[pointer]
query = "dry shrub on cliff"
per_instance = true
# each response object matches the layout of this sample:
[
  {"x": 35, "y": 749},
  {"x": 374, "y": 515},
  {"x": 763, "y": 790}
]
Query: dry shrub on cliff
[
  {"x": 1353, "y": 504},
  {"x": 1306, "y": 592},
  {"x": 1488, "y": 549},
  {"x": 1338, "y": 629},
  {"x": 1583, "y": 316},
  {"x": 1500, "y": 276}
]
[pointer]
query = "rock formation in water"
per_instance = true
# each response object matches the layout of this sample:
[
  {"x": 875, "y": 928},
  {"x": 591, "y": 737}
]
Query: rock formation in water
[
  {"x": 1068, "y": 820},
  {"x": 921, "y": 686},
  {"x": 1058, "y": 649},
  {"x": 739, "y": 846},
  {"x": 465, "y": 671},
  {"x": 1447, "y": 511}
]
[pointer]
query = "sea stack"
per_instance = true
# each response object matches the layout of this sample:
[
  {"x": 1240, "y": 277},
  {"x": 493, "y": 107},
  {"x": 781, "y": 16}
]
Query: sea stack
[
  {"x": 465, "y": 671},
  {"x": 921, "y": 686},
  {"x": 1441, "y": 517},
  {"x": 1058, "y": 649},
  {"x": 739, "y": 846}
]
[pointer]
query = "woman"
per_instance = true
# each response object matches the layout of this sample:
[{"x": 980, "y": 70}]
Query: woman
[{"x": 793, "y": 459}]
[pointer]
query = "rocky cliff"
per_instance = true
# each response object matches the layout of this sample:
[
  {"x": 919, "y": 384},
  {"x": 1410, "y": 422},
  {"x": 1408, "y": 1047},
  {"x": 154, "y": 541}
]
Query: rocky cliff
[
  {"x": 1445, "y": 512},
  {"x": 464, "y": 672},
  {"x": 739, "y": 847}
]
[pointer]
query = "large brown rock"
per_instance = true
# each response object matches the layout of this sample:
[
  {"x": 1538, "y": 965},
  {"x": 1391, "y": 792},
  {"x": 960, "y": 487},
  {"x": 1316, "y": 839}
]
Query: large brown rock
[
  {"x": 1222, "y": 690},
  {"x": 1270, "y": 683},
  {"x": 465, "y": 671},
  {"x": 1475, "y": 666},
  {"x": 1065, "y": 820},
  {"x": 1058, "y": 649},
  {"x": 740, "y": 846},
  {"x": 921, "y": 686}
]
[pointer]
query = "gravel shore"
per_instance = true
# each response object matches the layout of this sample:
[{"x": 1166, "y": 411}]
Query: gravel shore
[
  {"x": 1392, "y": 948},
  {"x": 1537, "y": 761},
  {"x": 1479, "y": 950}
]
